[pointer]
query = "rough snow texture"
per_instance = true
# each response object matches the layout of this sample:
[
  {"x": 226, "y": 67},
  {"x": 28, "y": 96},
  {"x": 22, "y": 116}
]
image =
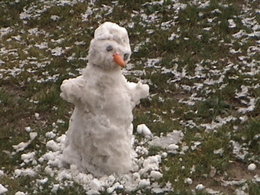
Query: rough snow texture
[
  {"x": 100, "y": 131},
  {"x": 145, "y": 173}
]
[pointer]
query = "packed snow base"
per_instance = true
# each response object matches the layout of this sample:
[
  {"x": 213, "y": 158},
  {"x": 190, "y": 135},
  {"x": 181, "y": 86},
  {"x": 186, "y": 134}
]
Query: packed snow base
[{"x": 144, "y": 175}]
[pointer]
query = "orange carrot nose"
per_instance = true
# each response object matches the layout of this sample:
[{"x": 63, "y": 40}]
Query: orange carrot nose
[{"x": 119, "y": 60}]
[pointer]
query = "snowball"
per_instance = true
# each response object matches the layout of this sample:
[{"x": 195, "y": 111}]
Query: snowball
[
  {"x": 156, "y": 175},
  {"x": 2, "y": 189},
  {"x": 42, "y": 181},
  {"x": 219, "y": 151},
  {"x": 50, "y": 134},
  {"x": 152, "y": 163},
  {"x": 200, "y": 187},
  {"x": 55, "y": 188},
  {"x": 117, "y": 185},
  {"x": 52, "y": 145},
  {"x": 257, "y": 178},
  {"x": 28, "y": 157},
  {"x": 143, "y": 129},
  {"x": 55, "y": 17},
  {"x": 136, "y": 176},
  {"x": 37, "y": 115},
  {"x": 28, "y": 129},
  {"x": 33, "y": 135},
  {"x": 173, "y": 147},
  {"x": 164, "y": 155},
  {"x": 144, "y": 183},
  {"x": 19, "y": 193},
  {"x": 95, "y": 184},
  {"x": 251, "y": 167},
  {"x": 188, "y": 180}
]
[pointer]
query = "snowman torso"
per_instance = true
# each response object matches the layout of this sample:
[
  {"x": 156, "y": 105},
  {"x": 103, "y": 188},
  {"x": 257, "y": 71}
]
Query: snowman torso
[
  {"x": 100, "y": 126},
  {"x": 107, "y": 97}
]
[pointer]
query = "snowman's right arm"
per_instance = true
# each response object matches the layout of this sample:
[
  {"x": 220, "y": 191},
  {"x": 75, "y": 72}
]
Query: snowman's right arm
[{"x": 71, "y": 89}]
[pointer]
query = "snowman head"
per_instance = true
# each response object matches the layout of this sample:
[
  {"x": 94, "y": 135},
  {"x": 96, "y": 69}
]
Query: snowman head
[{"x": 109, "y": 49}]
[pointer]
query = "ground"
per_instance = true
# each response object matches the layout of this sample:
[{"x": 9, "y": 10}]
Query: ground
[{"x": 200, "y": 59}]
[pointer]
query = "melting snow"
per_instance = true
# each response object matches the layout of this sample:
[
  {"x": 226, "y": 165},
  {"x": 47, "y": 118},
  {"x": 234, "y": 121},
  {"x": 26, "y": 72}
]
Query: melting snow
[
  {"x": 171, "y": 139},
  {"x": 251, "y": 167},
  {"x": 3, "y": 189},
  {"x": 21, "y": 146},
  {"x": 145, "y": 174},
  {"x": 143, "y": 129}
]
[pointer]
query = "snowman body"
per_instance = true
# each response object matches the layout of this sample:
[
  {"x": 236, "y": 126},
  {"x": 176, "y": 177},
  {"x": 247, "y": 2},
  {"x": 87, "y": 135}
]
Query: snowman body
[{"x": 99, "y": 138}]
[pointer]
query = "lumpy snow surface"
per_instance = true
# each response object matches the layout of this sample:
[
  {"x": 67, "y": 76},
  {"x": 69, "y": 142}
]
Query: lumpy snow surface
[
  {"x": 144, "y": 175},
  {"x": 99, "y": 138}
]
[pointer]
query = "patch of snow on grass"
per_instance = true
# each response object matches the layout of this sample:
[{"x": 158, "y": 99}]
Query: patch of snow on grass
[
  {"x": 3, "y": 189},
  {"x": 21, "y": 146},
  {"x": 164, "y": 141}
]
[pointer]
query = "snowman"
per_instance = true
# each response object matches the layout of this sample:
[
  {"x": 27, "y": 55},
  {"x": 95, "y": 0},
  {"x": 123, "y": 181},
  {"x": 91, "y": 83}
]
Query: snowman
[{"x": 99, "y": 137}]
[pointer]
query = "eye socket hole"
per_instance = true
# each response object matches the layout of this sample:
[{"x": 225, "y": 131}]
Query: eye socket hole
[
  {"x": 109, "y": 48},
  {"x": 126, "y": 56}
]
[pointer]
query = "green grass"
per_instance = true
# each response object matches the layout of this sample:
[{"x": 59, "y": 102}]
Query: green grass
[{"x": 200, "y": 43}]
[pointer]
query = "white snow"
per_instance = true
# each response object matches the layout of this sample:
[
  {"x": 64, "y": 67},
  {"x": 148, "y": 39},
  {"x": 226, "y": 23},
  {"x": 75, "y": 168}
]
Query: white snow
[
  {"x": 21, "y": 146},
  {"x": 173, "y": 147},
  {"x": 50, "y": 134},
  {"x": 28, "y": 157},
  {"x": 238, "y": 150},
  {"x": 188, "y": 180},
  {"x": 3, "y": 189},
  {"x": 143, "y": 129},
  {"x": 99, "y": 138},
  {"x": 211, "y": 191},
  {"x": 20, "y": 193},
  {"x": 144, "y": 183},
  {"x": 37, "y": 115},
  {"x": 28, "y": 129},
  {"x": 231, "y": 23},
  {"x": 58, "y": 51},
  {"x": 171, "y": 139},
  {"x": 156, "y": 175},
  {"x": 55, "y": 17},
  {"x": 2, "y": 173},
  {"x": 200, "y": 187},
  {"x": 24, "y": 172},
  {"x": 251, "y": 167},
  {"x": 233, "y": 182},
  {"x": 5, "y": 31},
  {"x": 52, "y": 145}
]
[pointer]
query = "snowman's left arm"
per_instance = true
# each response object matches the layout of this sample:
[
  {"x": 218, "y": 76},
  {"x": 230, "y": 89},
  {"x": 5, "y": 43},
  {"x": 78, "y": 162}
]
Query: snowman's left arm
[
  {"x": 138, "y": 91},
  {"x": 71, "y": 89}
]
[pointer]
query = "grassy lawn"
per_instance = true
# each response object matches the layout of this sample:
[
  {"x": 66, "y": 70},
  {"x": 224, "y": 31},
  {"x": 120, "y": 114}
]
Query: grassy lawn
[{"x": 200, "y": 59}]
